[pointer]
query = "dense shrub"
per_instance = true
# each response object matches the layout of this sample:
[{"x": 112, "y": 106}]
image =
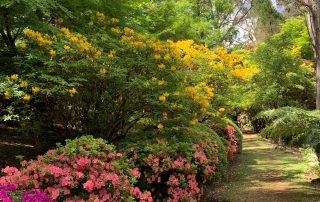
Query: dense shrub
[
  {"x": 229, "y": 132},
  {"x": 176, "y": 162},
  {"x": 104, "y": 79},
  {"x": 86, "y": 169},
  {"x": 170, "y": 164},
  {"x": 292, "y": 126}
]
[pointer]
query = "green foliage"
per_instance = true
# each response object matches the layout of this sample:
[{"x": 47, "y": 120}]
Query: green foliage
[
  {"x": 311, "y": 160},
  {"x": 286, "y": 77},
  {"x": 292, "y": 126}
]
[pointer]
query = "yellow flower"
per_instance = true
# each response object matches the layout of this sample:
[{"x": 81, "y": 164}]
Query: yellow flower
[
  {"x": 160, "y": 126},
  {"x": 6, "y": 94},
  {"x": 52, "y": 53},
  {"x": 128, "y": 31},
  {"x": 66, "y": 47},
  {"x": 6, "y": 77},
  {"x": 101, "y": 17},
  {"x": 23, "y": 45},
  {"x": 14, "y": 77},
  {"x": 222, "y": 109},
  {"x": 24, "y": 84},
  {"x": 157, "y": 56},
  {"x": 97, "y": 54},
  {"x": 194, "y": 121},
  {"x": 162, "y": 98},
  {"x": 173, "y": 68},
  {"x": 161, "y": 66},
  {"x": 115, "y": 20},
  {"x": 167, "y": 57},
  {"x": 72, "y": 91},
  {"x": 102, "y": 71},
  {"x": 154, "y": 78},
  {"x": 115, "y": 30},
  {"x": 26, "y": 97},
  {"x": 35, "y": 90},
  {"x": 111, "y": 54}
]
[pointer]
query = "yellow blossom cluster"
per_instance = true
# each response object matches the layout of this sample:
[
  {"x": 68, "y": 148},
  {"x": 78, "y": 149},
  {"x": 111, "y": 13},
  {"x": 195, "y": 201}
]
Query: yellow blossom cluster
[
  {"x": 22, "y": 45},
  {"x": 101, "y": 17},
  {"x": 194, "y": 121},
  {"x": 201, "y": 94},
  {"x": 103, "y": 71},
  {"x": 128, "y": 31},
  {"x": 164, "y": 97},
  {"x": 189, "y": 53},
  {"x": 23, "y": 84},
  {"x": 244, "y": 73},
  {"x": 72, "y": 91},
  {"x": 112, "y": 54},
  {"x": 80, "y": 41},
  {"x": 132, "y": 38},
  {"x": 42, "y": 40},
  {"x": 115, "y": 30},
  {"x": 115, "y": 20}
]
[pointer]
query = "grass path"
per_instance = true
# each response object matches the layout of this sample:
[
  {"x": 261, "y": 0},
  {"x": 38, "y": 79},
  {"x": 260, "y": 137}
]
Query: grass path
[{"x": 264, "y": 173}]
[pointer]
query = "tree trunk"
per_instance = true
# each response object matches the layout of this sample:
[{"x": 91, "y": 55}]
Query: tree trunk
[
  {"x": 313, "y": 23},
  {"x": 318, "y": 82}
]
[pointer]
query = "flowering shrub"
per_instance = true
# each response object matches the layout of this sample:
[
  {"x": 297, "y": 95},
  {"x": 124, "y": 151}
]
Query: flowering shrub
[
  {"x": 4, "y": 190},
  {"x": 109, "y": 77},
  {"x": 175, "y": 163},
  {"x": 35, "y": 195},
  {"x": 232, "y": 143},
  {"x": 170, "y": 164},
  {"x": 231, "y": 136},
  {"x": 86, "y": 169}
]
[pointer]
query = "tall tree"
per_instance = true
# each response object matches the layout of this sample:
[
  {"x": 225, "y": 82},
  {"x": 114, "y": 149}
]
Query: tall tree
[{"x": 312, "y": 11}]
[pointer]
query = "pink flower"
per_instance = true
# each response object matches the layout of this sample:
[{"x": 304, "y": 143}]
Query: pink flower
[
  {"x": 88, "y": 185},
  {"x": 54, "y": 191},
  {"x": 11, "y": 170},
  {"x": 79, "y": 175},
  {"x": 230, "y": 130},
  {"x": 173, "y": 181},
  {"x": 135, "y": 172}
]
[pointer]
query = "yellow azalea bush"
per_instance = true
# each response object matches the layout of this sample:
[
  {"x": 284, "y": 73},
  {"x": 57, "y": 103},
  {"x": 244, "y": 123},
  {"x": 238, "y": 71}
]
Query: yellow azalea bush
[{"x": 115, "y": 79}]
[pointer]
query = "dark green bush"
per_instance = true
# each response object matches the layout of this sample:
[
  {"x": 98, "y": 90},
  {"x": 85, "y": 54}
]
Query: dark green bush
[{"x": 292, "y": 126}]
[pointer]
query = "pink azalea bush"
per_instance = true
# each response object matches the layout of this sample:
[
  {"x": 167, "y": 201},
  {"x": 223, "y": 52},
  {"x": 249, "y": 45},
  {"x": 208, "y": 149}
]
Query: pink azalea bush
[
  {"x": 176, "y": 163},
  {"x": 172, "y": 164},
  {"x": 86, "y": 169}
]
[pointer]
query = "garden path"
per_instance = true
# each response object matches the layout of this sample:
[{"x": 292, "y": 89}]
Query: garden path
[{"x": 263, "y": 173}]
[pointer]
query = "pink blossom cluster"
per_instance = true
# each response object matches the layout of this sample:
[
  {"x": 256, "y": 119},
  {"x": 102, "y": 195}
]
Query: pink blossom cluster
[
  {"x": 181, "y": 176},
  {"x": 79, "y": 172},
  {"x": 232, "y": 143},
  {"x": 88, "y": 169}
]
